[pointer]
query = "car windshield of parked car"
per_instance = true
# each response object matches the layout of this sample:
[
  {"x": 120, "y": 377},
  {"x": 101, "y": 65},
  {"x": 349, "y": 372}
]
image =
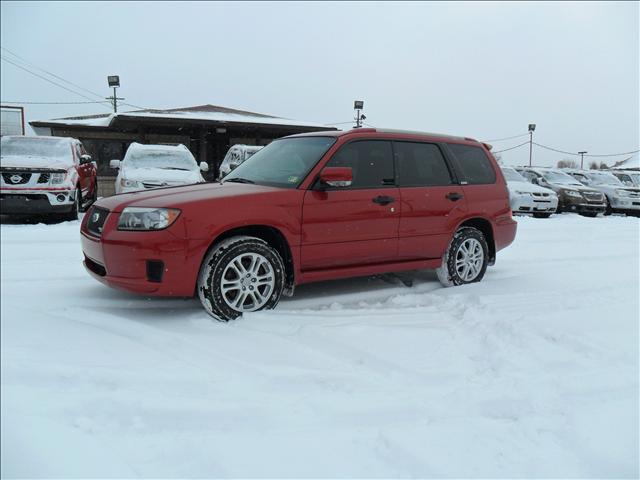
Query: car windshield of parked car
[
  {"x": 282, "y": 163},
  {"x": 54, "y": 148},
  {"x": 173, "y": 159},
  {"x": 604, "y": 178},
  {"x": 512, "y": 176},
  {"x": 560, "y": 177},
  {"x": 635, "y": 177}
]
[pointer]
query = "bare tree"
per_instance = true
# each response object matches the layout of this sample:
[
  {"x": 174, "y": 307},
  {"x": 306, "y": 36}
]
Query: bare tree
[
  {"x": 567, "y": 163},
  {"x": 593, "y": 166}
]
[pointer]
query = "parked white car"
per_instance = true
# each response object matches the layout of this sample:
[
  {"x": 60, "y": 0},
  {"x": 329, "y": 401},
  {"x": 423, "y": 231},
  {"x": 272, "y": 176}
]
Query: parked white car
[
  {"x": 620, "y": 198},
  {"x": 154, "y": 166},
  {"x": 631, "y": 178},
  {"x": 526, "y": 197},
  {"x": 235, "y": 156}
]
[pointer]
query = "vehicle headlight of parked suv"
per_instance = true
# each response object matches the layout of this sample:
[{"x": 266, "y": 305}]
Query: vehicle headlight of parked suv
[
  {"x": 139, "y": 218},
  {"x": 623, "y": 193},
  {"x": 130, "y": 183},
  {"x": 57, "y": 178},
  {"x": 572, "y": 193}
]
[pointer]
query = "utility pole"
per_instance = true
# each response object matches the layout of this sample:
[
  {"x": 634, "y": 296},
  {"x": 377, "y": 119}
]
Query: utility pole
[
  {"x": 532, "y": 128},
  {"x": 582, "y": 159},
  {"x": 114, "y": 81},
  {"x": 357, "y": 106}
]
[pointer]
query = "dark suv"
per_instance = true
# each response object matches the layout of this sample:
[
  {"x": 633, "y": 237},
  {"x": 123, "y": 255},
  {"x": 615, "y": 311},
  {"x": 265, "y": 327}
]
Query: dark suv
[
  {"x": 573, "y": 196},
  {"x": 307, "y": 208}
]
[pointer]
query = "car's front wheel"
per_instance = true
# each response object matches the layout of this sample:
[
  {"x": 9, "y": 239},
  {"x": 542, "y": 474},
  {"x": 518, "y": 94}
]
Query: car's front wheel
[
  {"x": 466, "y": 259},
  {"x": 240, "y": 274}
]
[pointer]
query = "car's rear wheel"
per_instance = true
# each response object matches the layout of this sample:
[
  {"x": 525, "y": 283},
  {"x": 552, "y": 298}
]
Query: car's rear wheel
[
  {"x": 466, "y": 259},
  {"x": 240, "y": 274}
]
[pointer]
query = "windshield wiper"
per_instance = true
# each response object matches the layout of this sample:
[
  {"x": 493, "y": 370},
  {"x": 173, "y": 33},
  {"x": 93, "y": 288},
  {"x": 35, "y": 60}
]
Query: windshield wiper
[
  {"x": 239, "y": 180},
  {"x": 174, "y": 168}
]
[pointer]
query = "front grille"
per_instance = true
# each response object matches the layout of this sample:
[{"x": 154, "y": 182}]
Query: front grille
[
  {"x": 97, "y": 218},
  {"x": 536, "y": 194},
  {"x": 16, "y": 178},
  {"x": 153, "y": 185},
  {"x": 44, "y": 177},
  {"x": 593, "y": 197}
]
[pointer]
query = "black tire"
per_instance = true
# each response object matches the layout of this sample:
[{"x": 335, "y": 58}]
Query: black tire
[
  {"x": 541, "y": 215},
  {"x": 77, "y": 206},
  {"x": 589, "y": 214},
  {"x": 218, "y": 262},
  {"x": 447, "y": 273},
  {"x": 608, "y": 210}
]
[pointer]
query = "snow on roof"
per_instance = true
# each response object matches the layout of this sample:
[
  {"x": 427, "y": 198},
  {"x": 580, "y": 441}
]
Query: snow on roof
[
  {"x": 206, "y": 113},
  {"x": 631, "y": 163}
]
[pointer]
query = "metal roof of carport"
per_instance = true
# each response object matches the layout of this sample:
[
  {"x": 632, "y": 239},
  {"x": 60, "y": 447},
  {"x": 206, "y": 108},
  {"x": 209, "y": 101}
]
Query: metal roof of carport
[{"x": 197, "y": 115}]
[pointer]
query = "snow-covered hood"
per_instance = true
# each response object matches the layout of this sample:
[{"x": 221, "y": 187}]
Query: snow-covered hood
[
  {"x": 162, "y": 176},
  {"x": 611, "y": 189},
  {"x": 527, "y": 187},
  {"x": 34, "y": 162}
]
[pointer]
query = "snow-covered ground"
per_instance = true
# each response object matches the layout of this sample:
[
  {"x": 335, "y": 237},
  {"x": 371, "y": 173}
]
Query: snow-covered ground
[{"x": 531, "y": 373}]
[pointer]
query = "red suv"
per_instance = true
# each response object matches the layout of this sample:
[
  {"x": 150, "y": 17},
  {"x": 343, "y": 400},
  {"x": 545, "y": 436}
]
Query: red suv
[
  {"x": 46, "y": 175},
  {"x": 306, "y": 208}
]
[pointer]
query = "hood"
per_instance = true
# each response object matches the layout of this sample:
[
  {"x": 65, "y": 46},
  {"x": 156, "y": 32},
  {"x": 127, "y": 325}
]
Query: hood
[
  {"x": 527, "y": 187},
  {"x": 23, "y": 161},
  {"x": 161, "y": 175},
  {"x": 177, "y": 196}
]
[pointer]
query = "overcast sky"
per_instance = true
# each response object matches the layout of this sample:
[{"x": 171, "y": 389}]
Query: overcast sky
[{"x": 484, "y": 70}]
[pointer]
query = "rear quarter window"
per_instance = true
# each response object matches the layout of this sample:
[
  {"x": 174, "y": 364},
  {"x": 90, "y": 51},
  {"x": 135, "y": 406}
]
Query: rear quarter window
[{"x": 475, "y": 166}]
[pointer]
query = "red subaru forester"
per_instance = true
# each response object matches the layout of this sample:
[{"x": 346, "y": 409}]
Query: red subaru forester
[{"x": 306, "y": 208}]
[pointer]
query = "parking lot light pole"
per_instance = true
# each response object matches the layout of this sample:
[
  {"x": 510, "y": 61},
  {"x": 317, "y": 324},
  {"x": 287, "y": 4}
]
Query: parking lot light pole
[
  {"x": 582, "y": 159},
  {"x": 532, "y": 128},
  {"x": 358, "y": 105},
  {"x": 114, "y": 81}
]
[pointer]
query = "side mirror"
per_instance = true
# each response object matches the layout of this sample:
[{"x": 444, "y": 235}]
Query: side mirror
[
  {"x": 336, "y": 176},
  {"x": 114, "y": 163},
  {"x": 204, "y": 166},
  {"x": 85, "y": 159}
]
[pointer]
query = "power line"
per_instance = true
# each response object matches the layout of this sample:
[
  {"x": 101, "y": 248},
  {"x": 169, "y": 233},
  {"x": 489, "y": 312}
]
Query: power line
[
  {"x": 52, "y": 103},
  {"x": 49, "y": 73},
  {"x": 507, "y": 138},
  {"x": 46, "y": 79},
  {"x": 592, "y": 155},
  {"x": 511, "y": 148}
]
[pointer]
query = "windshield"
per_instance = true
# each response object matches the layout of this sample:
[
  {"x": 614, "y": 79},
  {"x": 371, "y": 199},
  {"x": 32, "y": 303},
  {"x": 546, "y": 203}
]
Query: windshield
[
  {"x": 635, "y": 177},
  {"x": 560, "y": 177},
  {"x": 36, "y": 147},
  {"x": 170, "y": 159},
  {"x": 604, "y": 178},
  {"x": 282, "y": 163},
  {"x": 512, "y": 176}
]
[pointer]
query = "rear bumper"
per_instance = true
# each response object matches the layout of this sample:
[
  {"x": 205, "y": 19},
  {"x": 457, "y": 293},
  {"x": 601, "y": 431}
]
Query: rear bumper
[
  {"x": 505, "y": 232},
  {"x": 35, "y": 202}
]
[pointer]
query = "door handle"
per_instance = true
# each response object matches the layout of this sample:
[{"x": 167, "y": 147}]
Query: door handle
[
  {"x": 383, "y": 200},
  {"x": 453, "y": 196}
]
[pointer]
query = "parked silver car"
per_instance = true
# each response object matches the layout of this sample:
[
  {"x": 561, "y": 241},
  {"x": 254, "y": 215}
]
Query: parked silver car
[{"x": 620, "y": 198}]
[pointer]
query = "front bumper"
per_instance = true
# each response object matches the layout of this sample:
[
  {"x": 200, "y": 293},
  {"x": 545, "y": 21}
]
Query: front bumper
[
  {"x": 36, "y": 202},
  {"x": 624, "y": 204},
  {"x": 122, "y": 259},
  {"x": 530, "y": 204}
]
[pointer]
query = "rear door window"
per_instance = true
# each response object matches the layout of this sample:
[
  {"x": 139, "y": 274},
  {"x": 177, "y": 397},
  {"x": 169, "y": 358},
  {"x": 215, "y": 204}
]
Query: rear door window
[
  {"x": 474, "y": 163},
  {"x": 371, "y": 162},
  {"x": 420, "y": 165}
]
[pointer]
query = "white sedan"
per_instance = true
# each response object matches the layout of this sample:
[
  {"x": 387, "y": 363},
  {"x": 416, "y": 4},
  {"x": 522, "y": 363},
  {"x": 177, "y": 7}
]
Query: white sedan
[
  {"x": 526, "y": 197},
  {"x": 154, "y": 166}
]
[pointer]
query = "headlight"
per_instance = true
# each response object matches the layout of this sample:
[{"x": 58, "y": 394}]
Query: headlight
[
  {"x": 140, "y": 218},
  {"x": 528, "y": 194},
  {"x": 573, "y": 193},
  {"x": 129, "y": 183},
  {"x": 623, "y": 193},
  {"x": 57, "y": 178}
]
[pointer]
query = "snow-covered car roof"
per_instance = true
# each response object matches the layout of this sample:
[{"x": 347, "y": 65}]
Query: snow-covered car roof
[{"x": 157, "y": 147}]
